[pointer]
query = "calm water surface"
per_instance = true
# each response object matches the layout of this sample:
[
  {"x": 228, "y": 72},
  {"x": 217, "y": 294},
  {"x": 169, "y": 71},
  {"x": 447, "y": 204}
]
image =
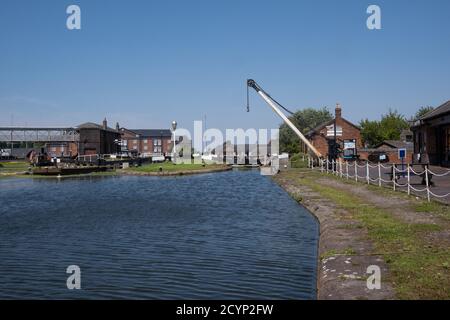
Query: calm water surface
[{"x": 227, "y": 235}]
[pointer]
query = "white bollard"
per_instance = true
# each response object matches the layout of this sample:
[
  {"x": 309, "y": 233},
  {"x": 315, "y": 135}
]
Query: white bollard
[
  {"x": 393, "y": 175},
  {"x": 367, "y": 172},
  {"x": 346, "y": 167},
  {"x": 409, "y": 188},
  {"x": 379, "y": 174}
]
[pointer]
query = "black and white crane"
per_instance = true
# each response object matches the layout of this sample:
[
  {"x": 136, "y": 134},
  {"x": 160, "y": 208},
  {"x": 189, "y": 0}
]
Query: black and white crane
[{"x": 275, "y": 107}]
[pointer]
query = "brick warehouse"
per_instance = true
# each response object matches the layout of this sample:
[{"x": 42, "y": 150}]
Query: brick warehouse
[
  {"x": 98, "y": 139},
  {"x": 320, "y": 136},
  {"x": 147, "y": 142},
  {"x": 93, "y": 139}
]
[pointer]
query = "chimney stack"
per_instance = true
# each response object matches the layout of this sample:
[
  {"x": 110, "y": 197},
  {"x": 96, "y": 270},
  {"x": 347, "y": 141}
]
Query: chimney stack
[
  {"x": 105, "y": 124},
  {"x": 117, "y": 126},
  {"x": 338, "y": 111}
]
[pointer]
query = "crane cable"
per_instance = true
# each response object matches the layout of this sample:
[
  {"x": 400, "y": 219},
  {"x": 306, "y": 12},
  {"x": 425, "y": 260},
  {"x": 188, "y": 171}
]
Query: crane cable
[{"x": 279, "y": 104}]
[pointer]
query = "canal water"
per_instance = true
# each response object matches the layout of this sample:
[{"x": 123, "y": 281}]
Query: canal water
[{"x": 230, "y": 235}]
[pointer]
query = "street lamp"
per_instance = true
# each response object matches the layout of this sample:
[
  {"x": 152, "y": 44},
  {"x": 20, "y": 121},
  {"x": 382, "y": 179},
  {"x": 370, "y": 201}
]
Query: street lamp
[{"x": 174, "y": 127}]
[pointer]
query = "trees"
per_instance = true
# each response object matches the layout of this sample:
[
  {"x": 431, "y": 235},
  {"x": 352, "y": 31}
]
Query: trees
[
  {"x": 305, "y": 120},
  {"x": 422, "y": 111},
  {"x": 389, "y": 127}
]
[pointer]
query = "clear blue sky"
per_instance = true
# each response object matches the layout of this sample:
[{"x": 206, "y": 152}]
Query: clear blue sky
[{"x": 145, "y": 63}]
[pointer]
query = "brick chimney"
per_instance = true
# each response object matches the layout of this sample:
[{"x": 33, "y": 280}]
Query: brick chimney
[
  {"x": 105, "y": 124},
  {"x": 117, "y": 126},
  {"x": 338, "y": 111}
]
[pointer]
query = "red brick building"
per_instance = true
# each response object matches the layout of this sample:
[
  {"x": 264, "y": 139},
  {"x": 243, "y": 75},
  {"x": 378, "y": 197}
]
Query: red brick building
[
  {"x": 62, "y": 149},
  {"x": 98, "y": 139},
  {"x": 147, "y": 142},
  {"x": 432, "y": 137},
  {"x": 345, "y": 130}
]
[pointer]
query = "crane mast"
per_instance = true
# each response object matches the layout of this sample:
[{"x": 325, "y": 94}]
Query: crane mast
[{"x": 274, "y": 105}]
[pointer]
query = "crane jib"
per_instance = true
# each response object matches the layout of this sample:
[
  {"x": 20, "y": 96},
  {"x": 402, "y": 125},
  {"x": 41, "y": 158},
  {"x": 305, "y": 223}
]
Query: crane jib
[{"x": 274, "y": 105}]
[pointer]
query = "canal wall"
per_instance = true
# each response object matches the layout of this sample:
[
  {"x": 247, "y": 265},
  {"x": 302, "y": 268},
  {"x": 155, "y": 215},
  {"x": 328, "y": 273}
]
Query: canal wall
[
  {"x": 344, "y": 250},
  {"x": 173, "y": 173}
]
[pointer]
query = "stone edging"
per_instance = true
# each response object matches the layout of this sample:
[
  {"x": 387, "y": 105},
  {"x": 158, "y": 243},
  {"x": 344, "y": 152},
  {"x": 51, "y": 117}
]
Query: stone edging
[{"x": 172, "y": 173}]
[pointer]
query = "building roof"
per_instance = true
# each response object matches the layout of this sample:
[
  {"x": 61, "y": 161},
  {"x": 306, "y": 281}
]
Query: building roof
[
  {"x": 91, "y": 125},
  {"x": 442, "y": 109},
  {"x": 329, "y": 122},
  {"x": 396, "y": 144},
  {"x": 152, "y": 132}
]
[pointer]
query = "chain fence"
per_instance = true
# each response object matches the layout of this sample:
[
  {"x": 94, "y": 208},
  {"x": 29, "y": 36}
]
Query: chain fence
[{"x": 415, "y": 179}]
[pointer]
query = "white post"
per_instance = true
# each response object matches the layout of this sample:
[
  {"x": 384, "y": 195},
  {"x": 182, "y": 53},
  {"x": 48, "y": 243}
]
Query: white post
[
  {"x": 174, "y": 147},
  {"x": 428, "y": 184},
  {"x": 356, "y": 171},
  {"x": 321, "y": 165},
  {"x": 367, "y": 172},
  {"x": 326, "y": 161},
  {"x": 340, "y": 168},
  {"x": 346, "y": 167},
  {"x": 379, "y": 174},
  {"x": 393, "y": 175},
  {"x": 409, "y": 188}
]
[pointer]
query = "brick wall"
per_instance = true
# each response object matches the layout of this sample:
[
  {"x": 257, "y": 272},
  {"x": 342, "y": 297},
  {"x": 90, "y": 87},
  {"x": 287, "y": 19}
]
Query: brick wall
[
  {"x": 319, "y": 139},
  {"x": 146, "y": 144}
]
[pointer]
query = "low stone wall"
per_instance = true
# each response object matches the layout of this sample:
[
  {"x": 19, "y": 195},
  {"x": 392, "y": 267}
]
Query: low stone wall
[{"x": 173, "y": 173}]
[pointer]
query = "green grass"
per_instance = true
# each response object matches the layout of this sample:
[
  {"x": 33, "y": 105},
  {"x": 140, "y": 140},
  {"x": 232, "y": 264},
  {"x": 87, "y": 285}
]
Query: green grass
[
  {"x": 419, "y": 270},
  {"x": 172, "y": 167},
  {"x": 297, "y": 161},
  {"x": 13, "y": 166},
  {"x": 333, "y": 252},
  {"x": 434, "y": 207}
]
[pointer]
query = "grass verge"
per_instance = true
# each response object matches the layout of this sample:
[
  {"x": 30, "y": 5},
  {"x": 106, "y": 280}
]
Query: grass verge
[
  {"x": 172, "y": 167},
  {"x": 14, "y": 166},
  {"x": 419, "y": 269}
]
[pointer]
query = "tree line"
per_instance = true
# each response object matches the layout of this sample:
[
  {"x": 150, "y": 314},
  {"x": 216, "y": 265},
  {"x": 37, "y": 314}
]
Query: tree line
[{"x": 373, "y": 132}]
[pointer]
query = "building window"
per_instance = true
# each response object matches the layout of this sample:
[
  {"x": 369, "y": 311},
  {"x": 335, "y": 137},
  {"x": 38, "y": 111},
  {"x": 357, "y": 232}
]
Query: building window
[
  {"x": 157, "y": 149},
  {"x": 145, "y": 141},
  {"x": 330, "y": 131},
  {"x": 157, "y": 142},
  {"x": 145, "y": 148}
]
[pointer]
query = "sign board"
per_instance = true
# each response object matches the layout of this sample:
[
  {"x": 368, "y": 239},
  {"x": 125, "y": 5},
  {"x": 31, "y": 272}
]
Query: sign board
[
  {"x": 349, "y": 149},
  {"x": 349, "y": 144},
  {"x": 402, "y": 153}
]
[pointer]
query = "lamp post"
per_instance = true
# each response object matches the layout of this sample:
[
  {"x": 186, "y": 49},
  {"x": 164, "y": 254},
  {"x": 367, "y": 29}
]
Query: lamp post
[{"x": 174, "y": 127}]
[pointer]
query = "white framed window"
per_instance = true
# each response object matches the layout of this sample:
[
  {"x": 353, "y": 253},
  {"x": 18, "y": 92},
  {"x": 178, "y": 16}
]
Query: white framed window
[
  {"x": 157, "y": 149},
  {"x": 330, "y": 131}
]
